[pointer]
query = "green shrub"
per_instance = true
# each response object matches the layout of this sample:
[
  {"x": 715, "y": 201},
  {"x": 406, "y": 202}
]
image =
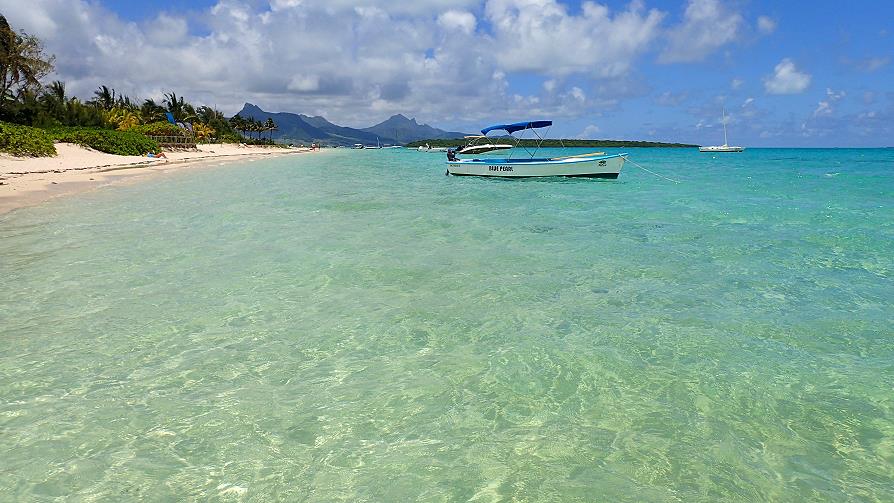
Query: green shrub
[
  {"x": 106, "y": 140},
  {"x": 25, "y": 141},
  {"x": 159, "y": 129},
  {"x": 229, "y": 138}
]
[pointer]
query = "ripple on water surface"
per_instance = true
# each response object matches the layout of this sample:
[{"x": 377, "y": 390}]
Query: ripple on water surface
[{"x": 355, "y": 326}]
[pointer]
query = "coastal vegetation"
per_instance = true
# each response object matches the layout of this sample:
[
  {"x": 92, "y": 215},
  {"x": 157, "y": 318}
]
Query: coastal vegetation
[
  {"x": 105, "y": 140},
  {"x": 34, "y": 115},
  {"x": 459, "y": 142},
  {"x": 25, "y": 141}
]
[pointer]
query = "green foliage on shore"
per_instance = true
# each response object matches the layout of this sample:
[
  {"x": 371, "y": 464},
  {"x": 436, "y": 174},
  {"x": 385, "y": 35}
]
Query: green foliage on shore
[
  {"x": 553, "y": 143},
  {"x": 24, "y": 141},
  {"x": 105, "y": 140},
  {"x": 29, "y": 141},
  {"x": 159, "y": 129}
]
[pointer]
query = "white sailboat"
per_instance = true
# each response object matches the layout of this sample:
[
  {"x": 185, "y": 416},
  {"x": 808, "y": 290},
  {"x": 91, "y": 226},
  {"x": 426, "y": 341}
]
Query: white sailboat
[{"x": 725, "y": 147}]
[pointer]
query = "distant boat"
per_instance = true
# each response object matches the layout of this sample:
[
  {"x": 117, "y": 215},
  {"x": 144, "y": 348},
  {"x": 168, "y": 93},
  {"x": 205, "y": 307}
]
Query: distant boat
[
  {"x": 378, "y": 145},
  {"x": 475, "y": 148},
  {"x": 358, "y": 145},
  {"x": 429, "y": 148},
  {"x": 591, "y": 165},
  {"x": 725, "y": 147}
]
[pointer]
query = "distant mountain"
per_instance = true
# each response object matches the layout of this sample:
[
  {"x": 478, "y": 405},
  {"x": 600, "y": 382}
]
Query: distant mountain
[
  {"x": 406, "y": 130},
  {"x": 303, "y": 128},
  {"x": 288, "y": 126},
  {"x": 350, "y": 135}
]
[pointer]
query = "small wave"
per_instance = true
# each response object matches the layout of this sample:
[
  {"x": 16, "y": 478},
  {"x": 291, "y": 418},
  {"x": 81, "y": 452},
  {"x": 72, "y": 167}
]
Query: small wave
[{"x": 227, "y": 489}]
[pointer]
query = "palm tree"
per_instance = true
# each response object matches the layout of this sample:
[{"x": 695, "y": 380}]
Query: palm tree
[
  {"x": 179, "y": 108},
  {"x": 54, "y": 102},
  {"x": 238, "y": 123},
  {"x": 80, "y": 114},
  {"x": 206, "y": 114},
  {"x": 56, "y": 89},
  {"x": 22, "y": 61},
  {"x": 104, "y": 98},
  {"x": 269, "y": 125},
  {"x": 250, "y": 126},
  {"x": 125, "y": 102},
  {"x": 152, "y": 111}
]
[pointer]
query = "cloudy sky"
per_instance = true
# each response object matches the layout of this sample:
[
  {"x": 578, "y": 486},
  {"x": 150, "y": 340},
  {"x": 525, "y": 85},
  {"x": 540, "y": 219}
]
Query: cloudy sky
[{"x": 647, "y": 69}]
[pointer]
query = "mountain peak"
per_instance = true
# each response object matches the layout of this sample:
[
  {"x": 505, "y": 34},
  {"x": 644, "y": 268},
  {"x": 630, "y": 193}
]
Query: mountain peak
[{"x": 250, "y": 107}]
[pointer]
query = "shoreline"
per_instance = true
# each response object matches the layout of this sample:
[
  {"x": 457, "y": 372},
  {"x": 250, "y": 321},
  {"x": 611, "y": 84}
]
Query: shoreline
[{"x": 27, "y": 181}]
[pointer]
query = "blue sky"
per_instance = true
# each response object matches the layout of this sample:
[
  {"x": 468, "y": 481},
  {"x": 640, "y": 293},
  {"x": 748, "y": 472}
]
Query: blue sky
[{"x": 786, "y": 74}]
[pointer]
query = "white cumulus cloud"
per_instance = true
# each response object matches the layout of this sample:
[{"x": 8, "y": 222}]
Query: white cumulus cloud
[
  {"x": 786, "y": 79},
  {"x": 873, "y": 64},
  {"x": 589, "y": 132},
  {"x": 541, "y": 35},
  {"x": 766, "y": 25},
  {"x": 356, "y": 62},
  {"x": 825, "y": 107},
  {"x": 707, "y": 25},
  {"x": 304, "y": 83},
  {"x": 457, "y": 20}
]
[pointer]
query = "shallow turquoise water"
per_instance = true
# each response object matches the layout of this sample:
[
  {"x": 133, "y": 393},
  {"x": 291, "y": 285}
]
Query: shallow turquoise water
[{"x": 355, "y": 326}]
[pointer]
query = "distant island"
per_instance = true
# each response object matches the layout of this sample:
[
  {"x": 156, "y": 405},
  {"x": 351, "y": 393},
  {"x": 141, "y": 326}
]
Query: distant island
[{"x": 438, "y": 142}]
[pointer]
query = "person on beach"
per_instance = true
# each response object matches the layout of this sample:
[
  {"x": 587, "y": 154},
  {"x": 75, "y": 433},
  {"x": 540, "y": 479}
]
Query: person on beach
[{"x": 159, "y": 155}]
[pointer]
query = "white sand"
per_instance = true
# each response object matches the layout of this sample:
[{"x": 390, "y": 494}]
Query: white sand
[{"x": 25, "y": 181}]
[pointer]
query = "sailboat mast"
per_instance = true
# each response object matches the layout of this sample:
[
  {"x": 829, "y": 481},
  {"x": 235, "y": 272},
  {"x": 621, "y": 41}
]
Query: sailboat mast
[{"x": 723, "y": 119}]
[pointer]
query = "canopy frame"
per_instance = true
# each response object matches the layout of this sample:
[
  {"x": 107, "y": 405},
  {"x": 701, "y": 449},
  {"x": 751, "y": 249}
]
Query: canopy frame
[
  {"x": 533, "y": 126},
  {"x": 517, "y": 126}
]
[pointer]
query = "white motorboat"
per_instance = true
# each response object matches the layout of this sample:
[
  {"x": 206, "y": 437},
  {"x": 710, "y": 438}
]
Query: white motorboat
[{"x": 590, "y": 165}]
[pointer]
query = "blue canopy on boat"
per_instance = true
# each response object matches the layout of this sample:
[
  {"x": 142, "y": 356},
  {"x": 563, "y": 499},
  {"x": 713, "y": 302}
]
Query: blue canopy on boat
[{"x": 518, "y": 126}]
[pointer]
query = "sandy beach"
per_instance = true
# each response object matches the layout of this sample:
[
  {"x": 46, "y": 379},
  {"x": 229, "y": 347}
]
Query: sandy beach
[{"x": 26, "y": 181}]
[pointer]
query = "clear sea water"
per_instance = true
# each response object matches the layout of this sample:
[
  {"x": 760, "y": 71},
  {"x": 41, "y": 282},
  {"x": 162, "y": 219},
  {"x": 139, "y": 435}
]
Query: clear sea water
[{"x": 356, "y": 326}]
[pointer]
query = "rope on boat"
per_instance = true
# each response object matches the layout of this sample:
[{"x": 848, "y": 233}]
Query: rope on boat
[{"x": 650, "y": 171}]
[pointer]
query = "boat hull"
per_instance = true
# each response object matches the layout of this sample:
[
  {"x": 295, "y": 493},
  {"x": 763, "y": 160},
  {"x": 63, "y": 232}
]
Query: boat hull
[
  {"x": 721, "y": 149},
  {"x": 608, "y": 166}
]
